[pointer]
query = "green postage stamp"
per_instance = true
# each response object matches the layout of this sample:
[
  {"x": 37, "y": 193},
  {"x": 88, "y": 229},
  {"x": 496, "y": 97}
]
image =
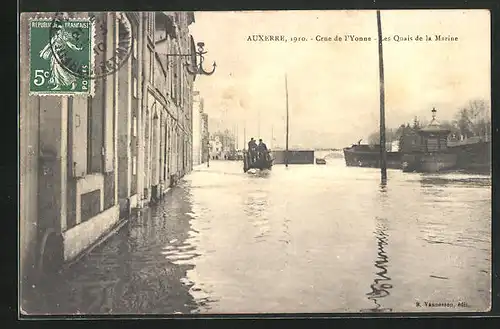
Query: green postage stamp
[{"x": 61, "y": 56}]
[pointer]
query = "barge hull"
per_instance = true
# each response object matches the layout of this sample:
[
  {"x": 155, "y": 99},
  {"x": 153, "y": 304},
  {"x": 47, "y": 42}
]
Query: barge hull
[
  {"x": 429, "y": 162},
  {"x": 371, "y": 159}
]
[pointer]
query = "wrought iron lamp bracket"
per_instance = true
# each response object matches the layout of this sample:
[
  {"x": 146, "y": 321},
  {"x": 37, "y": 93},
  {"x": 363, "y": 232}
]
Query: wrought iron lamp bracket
[{"x": 198, "y": 70}]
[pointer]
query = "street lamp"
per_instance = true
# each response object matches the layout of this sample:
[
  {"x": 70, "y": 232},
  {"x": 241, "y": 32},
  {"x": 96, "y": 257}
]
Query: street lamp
[{"x": 198, "y": 70}]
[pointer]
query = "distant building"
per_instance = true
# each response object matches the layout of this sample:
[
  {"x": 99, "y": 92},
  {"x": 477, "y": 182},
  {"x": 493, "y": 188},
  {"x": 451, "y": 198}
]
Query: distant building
[
  {"x": 409, "y": 141},
  {"x": 197, "y": 128},
  {"x": 205, "y": 138},
  {"x": 200, "y": 131},
  {"x": 216, "y": 148}
]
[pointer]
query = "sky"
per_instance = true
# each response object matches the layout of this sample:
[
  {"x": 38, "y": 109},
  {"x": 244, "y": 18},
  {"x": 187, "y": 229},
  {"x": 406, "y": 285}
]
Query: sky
[{"x": 333, "y": 87}]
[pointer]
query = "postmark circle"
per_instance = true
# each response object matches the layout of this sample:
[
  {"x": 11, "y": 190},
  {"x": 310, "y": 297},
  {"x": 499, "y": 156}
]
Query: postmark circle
[{"x": 64, "y": 31}]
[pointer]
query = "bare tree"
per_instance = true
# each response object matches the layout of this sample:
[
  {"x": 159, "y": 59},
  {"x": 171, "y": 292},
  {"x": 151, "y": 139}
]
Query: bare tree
[
  {"x": 474, "y": 119},
  {"x": 450, "y": 125},
  {"x": 374, "y": 138}
]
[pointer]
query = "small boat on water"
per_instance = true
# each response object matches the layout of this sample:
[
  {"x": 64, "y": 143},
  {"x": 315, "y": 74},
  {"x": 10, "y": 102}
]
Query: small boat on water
[{"x": 262, "y": 163}]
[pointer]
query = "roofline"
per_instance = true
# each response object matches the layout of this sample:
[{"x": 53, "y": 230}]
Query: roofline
[{"x": 191, "y": 18}]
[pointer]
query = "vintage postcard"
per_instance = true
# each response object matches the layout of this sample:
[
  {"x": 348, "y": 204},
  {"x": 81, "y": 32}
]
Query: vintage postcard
[{"x": 255, "y": 162}]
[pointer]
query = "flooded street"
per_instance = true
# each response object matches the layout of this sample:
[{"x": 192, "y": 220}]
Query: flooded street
[{"x": 305, "y": 239}]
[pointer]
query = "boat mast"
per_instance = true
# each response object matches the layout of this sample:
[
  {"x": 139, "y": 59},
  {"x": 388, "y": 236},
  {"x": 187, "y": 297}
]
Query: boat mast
[
  {"x": 287, "y": 122},
  {"x": 383, "y": 152},
  {"x": 235, "y": 134},
  {"x": 244, "y": 136}
]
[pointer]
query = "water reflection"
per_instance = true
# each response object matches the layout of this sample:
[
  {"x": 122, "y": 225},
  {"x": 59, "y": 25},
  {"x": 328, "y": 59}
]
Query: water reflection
[
  {"x": 142, "y": 269},
  {"x": 381, "y": 286},
  {"x": 383, "y": 189},
  {"x": 466, "y": 181},
  {"x": 256, "y": 206},
  {"x": 383, "y": 182}
]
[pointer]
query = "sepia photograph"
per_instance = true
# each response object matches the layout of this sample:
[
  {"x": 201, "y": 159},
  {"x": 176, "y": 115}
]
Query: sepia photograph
[{"x": 255, "y": 162}]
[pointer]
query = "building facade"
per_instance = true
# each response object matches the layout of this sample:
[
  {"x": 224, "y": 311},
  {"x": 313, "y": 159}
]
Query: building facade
[
  {"x": 197, "y": 127},
  {"x": 216, "y": 148},
  {"x": 87, "y": 162},
  {"x": 200, "y": 131},
  {"x": 205, "y": 138},
  {"x": 222, "y": 145}
]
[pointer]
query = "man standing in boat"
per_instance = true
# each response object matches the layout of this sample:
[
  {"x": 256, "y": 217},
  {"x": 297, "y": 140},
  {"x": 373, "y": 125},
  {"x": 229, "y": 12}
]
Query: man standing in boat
[
  {"x": 262, "y": 149},
  {"x": 252, "y": 149}
]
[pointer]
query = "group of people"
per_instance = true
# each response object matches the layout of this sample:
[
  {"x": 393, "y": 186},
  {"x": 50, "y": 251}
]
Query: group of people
[{"x": 257, "y": 151}]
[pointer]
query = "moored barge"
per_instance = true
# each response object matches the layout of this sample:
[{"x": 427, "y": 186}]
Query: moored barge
[
  {"x": 364, "y": 155},
  {"x": 425, "y": 150}
]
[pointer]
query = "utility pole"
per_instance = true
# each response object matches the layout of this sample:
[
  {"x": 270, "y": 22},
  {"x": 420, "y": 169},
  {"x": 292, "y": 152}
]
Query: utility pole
[
  {"x": 237, "y": 137},
  {"x": 383, "y": 151},
  {"x": 244, "y": 136}
]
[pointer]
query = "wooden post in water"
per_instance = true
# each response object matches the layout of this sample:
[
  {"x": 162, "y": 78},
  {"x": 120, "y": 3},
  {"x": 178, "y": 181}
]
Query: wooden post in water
[
  {"x": 383, "y": 151},
  {"x": 287, "y": 122}
]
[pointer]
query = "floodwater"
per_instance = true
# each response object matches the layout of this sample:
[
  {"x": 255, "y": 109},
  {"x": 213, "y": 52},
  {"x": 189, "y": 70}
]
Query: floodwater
[{"x": 305, "y": 239}]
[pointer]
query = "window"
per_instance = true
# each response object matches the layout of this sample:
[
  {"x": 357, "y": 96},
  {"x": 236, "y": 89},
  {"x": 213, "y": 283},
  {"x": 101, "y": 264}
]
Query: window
[
  {"x": 179, "y": 84},
  {"x": 135, "y": 48},
  {"x": 134, "y": 165},
  {"x": 134, "y": 126},
  {"x": 170, "y": 67},
  {"x": 78, "y": 111},
  {"x": 175, "y": 81},
  {"x": 151, "y": 65},
  {"x": 182, "y": 89},
  {"x": 165, "y": 82},
  {"x": 151, "y": 25},
  {"x": 135, "y": 87}
]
